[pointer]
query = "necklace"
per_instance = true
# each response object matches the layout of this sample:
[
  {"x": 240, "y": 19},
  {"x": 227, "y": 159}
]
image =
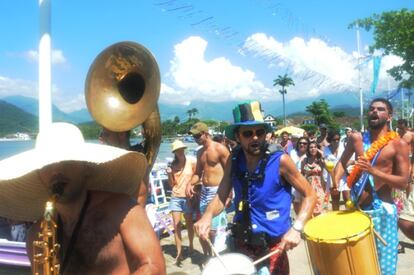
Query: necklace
[{"x": 370, "y": 153}]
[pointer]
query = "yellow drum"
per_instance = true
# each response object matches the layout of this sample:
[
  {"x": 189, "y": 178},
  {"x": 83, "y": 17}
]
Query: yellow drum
[{"x": 342, "y": 243}]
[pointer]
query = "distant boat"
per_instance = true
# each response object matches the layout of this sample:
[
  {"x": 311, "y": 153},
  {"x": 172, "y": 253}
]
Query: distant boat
[{"x": 16, "y": 137}]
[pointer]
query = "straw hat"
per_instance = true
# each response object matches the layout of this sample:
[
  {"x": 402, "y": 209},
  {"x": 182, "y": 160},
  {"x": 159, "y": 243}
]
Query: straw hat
[
  {"x": 23, "y": 195},
  {"x": 177, "y": 144},
  {"x": 249, "y": 114}
]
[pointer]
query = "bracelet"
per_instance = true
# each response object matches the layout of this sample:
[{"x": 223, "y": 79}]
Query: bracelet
[{"x": 298, "y": 226}]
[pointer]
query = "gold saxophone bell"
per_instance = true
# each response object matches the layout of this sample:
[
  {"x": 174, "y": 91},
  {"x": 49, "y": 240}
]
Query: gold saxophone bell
[{"x": 122, "y": 90}]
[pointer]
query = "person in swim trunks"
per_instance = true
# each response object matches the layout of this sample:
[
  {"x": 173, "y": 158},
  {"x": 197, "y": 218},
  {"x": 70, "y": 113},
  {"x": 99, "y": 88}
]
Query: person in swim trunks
[
  {"x": 211, "y": 159},
  {"x": 390, "y": 171}
]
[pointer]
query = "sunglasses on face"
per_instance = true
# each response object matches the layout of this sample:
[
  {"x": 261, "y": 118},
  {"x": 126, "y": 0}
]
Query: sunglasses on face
[
  {"x": 198, "y": 136},
  {"x": 251, "y": 133},
  {"x": 336, "y": 139}
]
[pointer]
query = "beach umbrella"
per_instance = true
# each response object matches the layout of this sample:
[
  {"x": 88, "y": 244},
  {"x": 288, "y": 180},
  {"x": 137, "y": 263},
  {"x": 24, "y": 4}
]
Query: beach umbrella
[{"x": 292, "y": 130}]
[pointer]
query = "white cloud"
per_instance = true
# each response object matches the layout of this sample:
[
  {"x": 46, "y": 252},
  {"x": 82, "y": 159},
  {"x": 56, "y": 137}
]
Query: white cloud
[
  {"x": 315, "y": 66},
  {"x": 57, "y": 56},
  {"x": 69, "y": 103},
  {"x": 9, "y": 86},
  {"x": 64, "y": 101},
  {"x": 193, "y": 77}
]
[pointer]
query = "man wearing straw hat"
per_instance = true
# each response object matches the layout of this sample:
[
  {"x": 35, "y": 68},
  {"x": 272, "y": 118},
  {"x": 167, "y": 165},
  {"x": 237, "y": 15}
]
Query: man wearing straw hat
[
  {"x": 262, "y": 181},
  {"x": 100, "y": 228}
]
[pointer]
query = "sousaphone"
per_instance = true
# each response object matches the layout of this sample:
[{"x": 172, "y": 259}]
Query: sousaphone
[{"x": 122, "y": 89}]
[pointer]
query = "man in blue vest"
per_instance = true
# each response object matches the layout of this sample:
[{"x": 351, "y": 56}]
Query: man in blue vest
[{"x": 262, "y": 178}]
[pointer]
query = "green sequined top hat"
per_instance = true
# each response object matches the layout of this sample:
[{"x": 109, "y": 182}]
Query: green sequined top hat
[{"x": 247, "y": 113}]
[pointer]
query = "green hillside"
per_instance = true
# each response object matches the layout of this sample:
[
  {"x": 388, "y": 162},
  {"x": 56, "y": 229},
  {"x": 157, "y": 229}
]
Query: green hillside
[{"x": 13, "y": 119}]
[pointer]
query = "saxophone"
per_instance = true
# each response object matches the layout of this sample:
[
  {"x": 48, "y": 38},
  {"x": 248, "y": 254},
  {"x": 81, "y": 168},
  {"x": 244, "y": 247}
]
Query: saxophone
[{"x": 45, "y": 248}]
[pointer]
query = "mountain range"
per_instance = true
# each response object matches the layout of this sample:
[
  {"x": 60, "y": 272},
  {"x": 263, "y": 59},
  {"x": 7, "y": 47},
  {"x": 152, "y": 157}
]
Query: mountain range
[{"x": 17, "y": 109}]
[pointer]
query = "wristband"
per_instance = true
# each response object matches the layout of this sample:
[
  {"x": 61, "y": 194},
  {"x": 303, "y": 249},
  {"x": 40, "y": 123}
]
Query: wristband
[{"x": 298, "y": 226}]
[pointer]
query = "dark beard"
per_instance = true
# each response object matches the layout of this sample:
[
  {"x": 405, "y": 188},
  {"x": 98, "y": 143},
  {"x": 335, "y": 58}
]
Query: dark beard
[
  {"x": 258, "y": 151},
  {"x": 378, "y": 124}
]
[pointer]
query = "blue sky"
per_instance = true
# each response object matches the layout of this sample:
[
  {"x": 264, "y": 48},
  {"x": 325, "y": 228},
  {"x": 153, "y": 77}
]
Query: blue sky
[{"x": 208, "y": 50}]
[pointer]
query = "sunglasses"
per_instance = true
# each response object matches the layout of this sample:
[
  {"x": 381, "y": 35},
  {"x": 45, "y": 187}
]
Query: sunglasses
[
  {"x": 251, "y": 133},
  {"x": 336, "y": 139},
  {"x": 303, "y": 143},
  {"x": 198, "y": 136}
]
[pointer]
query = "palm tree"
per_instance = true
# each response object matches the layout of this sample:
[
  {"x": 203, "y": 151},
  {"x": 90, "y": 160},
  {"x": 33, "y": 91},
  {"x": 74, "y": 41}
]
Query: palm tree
[
  {"x": 283, "y": 81},
  {"x": 194, "y": 111},
  {"x": 189, "y": 113}
]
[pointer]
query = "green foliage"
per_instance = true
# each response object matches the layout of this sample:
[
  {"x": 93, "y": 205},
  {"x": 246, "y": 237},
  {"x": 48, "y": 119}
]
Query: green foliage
[
  {"x": 338, "y": 114},
  {"x": 176, "y": 119},
  {"x": 90, "y": 130},
  {"x": 191, "y": 113},
  {"x": 13, "y": 120},
  {"x": 320, "y": 112},
  {"x": 283, "y": 81},
  {"x": 171, "y": 128},
  {"x": 309, "y": 127},
  {"x": 393, "y": 32}
]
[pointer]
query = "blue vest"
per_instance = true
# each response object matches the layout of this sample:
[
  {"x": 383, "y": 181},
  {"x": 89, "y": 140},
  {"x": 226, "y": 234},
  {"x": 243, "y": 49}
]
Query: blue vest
[{"x": 269, "y": 199}]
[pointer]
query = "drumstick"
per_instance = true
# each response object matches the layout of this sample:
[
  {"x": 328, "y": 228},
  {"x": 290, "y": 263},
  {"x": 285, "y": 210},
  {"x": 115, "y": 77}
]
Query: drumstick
[
  {"x": 379, "y": 237},
  {"x": 274, "y": 252},
  {"x": 217, "y": 255}
]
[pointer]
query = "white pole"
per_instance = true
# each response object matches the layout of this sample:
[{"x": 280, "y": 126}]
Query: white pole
[
  {"x": 361, "y": 101},
  {"x": 388, "y": 87},
  {"x": 45, "y": 56},
  {"x": 402, "y": 102}
]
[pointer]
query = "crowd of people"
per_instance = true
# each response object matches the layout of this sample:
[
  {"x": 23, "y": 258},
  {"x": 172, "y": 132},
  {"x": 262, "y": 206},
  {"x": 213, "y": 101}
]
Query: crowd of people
[{"x": 262, "y": 175}]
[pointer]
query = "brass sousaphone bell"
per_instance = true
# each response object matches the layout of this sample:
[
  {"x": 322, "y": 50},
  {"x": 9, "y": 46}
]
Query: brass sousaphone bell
[{"x": 122, "y": 89}]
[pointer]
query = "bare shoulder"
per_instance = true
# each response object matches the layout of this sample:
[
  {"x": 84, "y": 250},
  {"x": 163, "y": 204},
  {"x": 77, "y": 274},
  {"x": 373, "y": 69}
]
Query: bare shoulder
[
  {"x": 108, "y": 200},
  {"x": 400, "y": 144},
  {"x": 221, "y": 149},
  {"x": 356, "y": 137},
  {"x": 408, "y": 137},
  {"x": 286, "y": 162}
]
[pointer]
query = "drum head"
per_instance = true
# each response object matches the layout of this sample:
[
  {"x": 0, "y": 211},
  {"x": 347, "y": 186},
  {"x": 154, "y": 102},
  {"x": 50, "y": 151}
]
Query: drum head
[
  {"x": 236, "y": 263},
  {"x": 337, "y": 226}
]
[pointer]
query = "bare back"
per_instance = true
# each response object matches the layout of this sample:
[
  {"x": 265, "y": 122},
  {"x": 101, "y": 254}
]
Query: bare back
[
  {"x": 115, "y": 238},
  {"x": 211, "y": 162}
]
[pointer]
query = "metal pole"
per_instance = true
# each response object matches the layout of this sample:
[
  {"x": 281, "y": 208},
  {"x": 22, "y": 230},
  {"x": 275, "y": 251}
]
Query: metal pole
[
  {"x": 45, "y": 56},
  {"x": 402, "y": 103},
  {"x": 361, "y": 101}
]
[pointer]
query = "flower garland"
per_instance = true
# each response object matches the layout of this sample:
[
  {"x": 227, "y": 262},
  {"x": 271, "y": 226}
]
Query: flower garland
[{"x": 369, "y": 155}]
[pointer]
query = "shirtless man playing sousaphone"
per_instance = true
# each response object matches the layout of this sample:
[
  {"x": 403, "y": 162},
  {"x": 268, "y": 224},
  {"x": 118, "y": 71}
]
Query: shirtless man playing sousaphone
[
  {"x": 100, "y": 227},
  {"x": 211, "y": 159},
  {"x": 390, "y": 170}
]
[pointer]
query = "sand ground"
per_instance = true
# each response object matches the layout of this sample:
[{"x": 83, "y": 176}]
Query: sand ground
[{"x": 298, "y": 259}]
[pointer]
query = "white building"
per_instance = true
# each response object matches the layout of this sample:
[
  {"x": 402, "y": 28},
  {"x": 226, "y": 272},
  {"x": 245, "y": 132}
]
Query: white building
[{"x": 271, "y": 120}]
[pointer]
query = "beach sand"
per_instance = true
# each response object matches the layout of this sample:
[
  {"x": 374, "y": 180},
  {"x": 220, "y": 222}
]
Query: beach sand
[{"x": 298, "y": 259}]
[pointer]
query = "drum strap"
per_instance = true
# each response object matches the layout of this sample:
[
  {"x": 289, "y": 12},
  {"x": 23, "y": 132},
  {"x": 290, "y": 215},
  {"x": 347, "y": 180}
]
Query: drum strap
[
  {"x": 248, "y": 178},
  {"x": 359, "y": 186}
]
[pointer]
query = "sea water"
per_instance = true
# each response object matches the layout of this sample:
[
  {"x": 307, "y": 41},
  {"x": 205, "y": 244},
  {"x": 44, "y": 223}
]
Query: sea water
[{"x": 10, "y": 148}]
